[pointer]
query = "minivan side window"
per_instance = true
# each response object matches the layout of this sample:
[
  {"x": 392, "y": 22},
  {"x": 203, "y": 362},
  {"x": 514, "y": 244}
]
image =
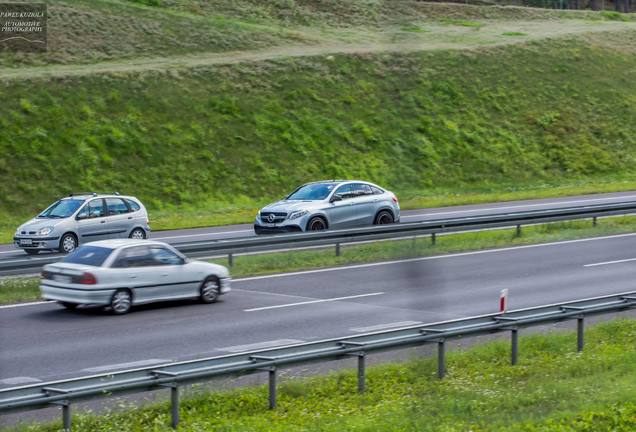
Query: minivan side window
[
  {"x": 133, "y": 205},
  {"x": 116, "y": 206},
  {"x": 92, "y": 209}
]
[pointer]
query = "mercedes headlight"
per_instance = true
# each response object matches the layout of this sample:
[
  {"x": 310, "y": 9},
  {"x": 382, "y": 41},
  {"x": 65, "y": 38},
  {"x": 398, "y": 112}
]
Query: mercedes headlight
[
  {"x": 45, "y": 231},
  {"x": 298, "y": 213}
]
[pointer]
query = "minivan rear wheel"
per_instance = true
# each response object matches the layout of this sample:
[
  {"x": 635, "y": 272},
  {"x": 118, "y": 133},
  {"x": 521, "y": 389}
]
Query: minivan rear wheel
[
  {"x": 138, "y": 234},
  {"x": 68, "y": 243}
]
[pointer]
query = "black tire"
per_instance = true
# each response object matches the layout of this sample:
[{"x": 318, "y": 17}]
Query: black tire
[
  {"x": 316, "y": 224},
  {"x": 121, "y": 302},
  {"x": 383, "y": 217},
  {"x": 68, "y": 243},
  {"x": 210, "y": 290},
  {"x": 32, "y": 251},
  {"x": 137, "y": 233},
  {"x": 69, "y": 306}
]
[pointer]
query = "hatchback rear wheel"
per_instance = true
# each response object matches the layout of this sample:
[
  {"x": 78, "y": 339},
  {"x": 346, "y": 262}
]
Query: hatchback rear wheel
[
  {"x": 121, "y": 302},
  {"x": 210, "y": 290}
]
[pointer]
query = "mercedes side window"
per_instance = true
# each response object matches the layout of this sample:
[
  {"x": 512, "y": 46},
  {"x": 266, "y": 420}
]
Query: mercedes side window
[
  {"x": 116, "y": 206},
  {"x": 163, "y": 256},
  {"x": 345, "y": 191},
  {"x": 138, "y": 256},
  {"x": 360, "y": 189}
]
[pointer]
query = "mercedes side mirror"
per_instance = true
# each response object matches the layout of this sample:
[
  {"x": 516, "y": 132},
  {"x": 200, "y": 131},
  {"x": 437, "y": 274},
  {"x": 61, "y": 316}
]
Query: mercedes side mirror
[{"x": 336, "y": 197}]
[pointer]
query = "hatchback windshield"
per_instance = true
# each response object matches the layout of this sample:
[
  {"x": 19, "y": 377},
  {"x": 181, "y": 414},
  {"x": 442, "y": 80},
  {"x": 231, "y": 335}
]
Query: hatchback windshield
[
  {"x": 61, "y": 209},
  {"x": 312, "y": 192},
  {"x": 88, "y": 255}
]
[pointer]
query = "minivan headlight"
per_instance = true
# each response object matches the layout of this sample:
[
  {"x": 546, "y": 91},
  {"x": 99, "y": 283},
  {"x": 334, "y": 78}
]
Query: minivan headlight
[
  {"x": 298, "y": 213},
  {"x": 45, "y": 231}
]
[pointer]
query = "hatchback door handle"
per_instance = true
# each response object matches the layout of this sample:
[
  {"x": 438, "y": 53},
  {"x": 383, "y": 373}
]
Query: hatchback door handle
[{"x": 102, "y": 222}]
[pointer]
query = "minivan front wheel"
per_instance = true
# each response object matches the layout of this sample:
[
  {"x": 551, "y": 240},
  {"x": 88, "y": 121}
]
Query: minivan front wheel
[
  {"x": 68, "y": 243},
  {"x": 138, "y": 234}
]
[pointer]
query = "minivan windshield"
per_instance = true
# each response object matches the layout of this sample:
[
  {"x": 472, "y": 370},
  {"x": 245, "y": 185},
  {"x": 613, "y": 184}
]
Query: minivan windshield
[
  {"x": 88, "y": 255},
  {"x": 312, "y": 192},
  {"x": 62, "y": 209}
]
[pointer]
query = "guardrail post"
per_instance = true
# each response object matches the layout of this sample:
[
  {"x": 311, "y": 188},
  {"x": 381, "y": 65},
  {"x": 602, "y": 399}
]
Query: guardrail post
[
  {"x": 361, "y": 372},
  {"x": 594, "y": 221},
  {"x": 272, "y": 388},
  {"x": 433, "y": 239},
  {"x": 579, "y": 334},
  {"x": 174, "y": 399},
  {"x": 66, "y": 416},
  {"x": 514, "y": 349},
  {"x": 337, "y": 249},
  {"x": 518, "y": 232},
  {"x": 230, "y": 259},
  {"x": 441, "y": 359}
]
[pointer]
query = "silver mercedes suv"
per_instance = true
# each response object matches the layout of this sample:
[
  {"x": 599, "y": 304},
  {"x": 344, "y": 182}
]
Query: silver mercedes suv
[
  {"x": 81, "y": 218},
  {"x": 329, "y": 204}
]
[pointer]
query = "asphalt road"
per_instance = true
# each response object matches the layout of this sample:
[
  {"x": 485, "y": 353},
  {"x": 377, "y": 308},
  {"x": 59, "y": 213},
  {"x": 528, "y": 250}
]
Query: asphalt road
[
  {"x": 46, "y": 342},
  {"x": 8, "y": 252}
]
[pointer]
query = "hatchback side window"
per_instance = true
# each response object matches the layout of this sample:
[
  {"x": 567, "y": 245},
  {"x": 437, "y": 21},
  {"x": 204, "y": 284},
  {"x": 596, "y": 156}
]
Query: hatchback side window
[
  {"x": 116, "y": 206},
  {"x": 345, "y": 191},
  {"x": 138, "y": 256},
  {"x": 92, "y": 209},
  {"x": 163, "y": 256}
]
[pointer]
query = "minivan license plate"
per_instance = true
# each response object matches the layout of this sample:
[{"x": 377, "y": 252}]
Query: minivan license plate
[{"x": 26, "y": 242}]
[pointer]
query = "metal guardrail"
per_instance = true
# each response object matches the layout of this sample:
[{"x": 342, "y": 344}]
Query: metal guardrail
[
  {"x": 378, "y": 232},
  {"x": 174, "y": 375}
]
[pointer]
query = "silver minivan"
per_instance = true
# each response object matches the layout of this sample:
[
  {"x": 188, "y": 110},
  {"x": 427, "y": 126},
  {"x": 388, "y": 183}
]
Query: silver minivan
[{"x": 81, "y": 218}]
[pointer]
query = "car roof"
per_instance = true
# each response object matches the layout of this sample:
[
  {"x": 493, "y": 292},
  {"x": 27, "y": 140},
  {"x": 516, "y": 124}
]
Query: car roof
[
  {"x": 339, "y": 182},
  {"x": 86, "y": 196},
  {"x": 118, "y": 243}
]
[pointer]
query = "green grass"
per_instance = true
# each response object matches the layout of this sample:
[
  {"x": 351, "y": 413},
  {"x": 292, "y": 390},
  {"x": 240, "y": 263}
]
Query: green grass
[
  {"x": 514, "y": 33},
  {"x": 219, "y": 142},
  {"x": 552, "y": 389},
  {"x": 13, "y": 290}
]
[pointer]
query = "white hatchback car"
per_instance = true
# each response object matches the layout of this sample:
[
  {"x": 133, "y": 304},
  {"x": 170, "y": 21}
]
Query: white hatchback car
[{"x": 126, "y": 272}]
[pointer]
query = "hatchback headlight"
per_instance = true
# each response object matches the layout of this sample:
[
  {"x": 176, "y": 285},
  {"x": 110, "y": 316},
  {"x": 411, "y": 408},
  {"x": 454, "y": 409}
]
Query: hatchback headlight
[
  {"x": 298, "y": 213},
  {"x": 45, "y": 231}
]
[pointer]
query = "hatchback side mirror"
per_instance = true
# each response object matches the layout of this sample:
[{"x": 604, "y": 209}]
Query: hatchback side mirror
[{"x": 336, "y": 197}]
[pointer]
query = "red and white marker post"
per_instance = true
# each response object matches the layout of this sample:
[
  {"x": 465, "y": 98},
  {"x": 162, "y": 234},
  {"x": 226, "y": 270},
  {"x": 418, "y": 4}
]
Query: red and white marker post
[{"x": 503, "y": 300}]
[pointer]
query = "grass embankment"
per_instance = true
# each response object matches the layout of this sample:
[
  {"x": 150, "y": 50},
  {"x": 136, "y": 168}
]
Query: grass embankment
[
  {"x": 553, "y": 388},
  {"x": 13, "y": 290},
  {"x": 222, "y": 141}
]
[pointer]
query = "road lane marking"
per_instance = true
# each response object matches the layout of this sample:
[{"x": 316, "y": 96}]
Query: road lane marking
[
  {"x": 261, "y": 345},
  {"x": 23, "y": 304},
  {"x": 200, "y": 235},
  {"x": 128, "y": 365},
  {"x": 19, "y": 380},
  {"x": 428, "y": 258},
  {"x": 609, "y": 262},
  {"x": 385, "y": 326},
  {"x": 312, "y": 302},
  {"x": 517, "y": 206}
]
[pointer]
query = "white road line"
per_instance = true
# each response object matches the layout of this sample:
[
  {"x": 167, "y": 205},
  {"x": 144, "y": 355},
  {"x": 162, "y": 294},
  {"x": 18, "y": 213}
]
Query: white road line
[
  {"x": 313, "y": 301},
  {"x": 11, "y": 251},
  {"x": 19, "y": 380},
  {"x": 261, "y": 345},
  {"x": 385, "y": 326},
  {"x": 428, "y": 258},
  {"x": 128, "y": 365},
  {"x": 23, "y": 304},
  {"x": 518, "y": 206},
  {"x": 199, "y": 235},
  {"x": 609, "y": 262}
]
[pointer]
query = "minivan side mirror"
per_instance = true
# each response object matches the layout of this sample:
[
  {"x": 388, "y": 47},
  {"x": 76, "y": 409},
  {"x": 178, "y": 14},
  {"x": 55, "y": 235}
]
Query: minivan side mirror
[{"x": 336, "y": 197}]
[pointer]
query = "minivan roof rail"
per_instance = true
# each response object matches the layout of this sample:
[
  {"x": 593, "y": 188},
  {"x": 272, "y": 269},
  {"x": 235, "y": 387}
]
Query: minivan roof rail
[{"x": 92, "y": 193}]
